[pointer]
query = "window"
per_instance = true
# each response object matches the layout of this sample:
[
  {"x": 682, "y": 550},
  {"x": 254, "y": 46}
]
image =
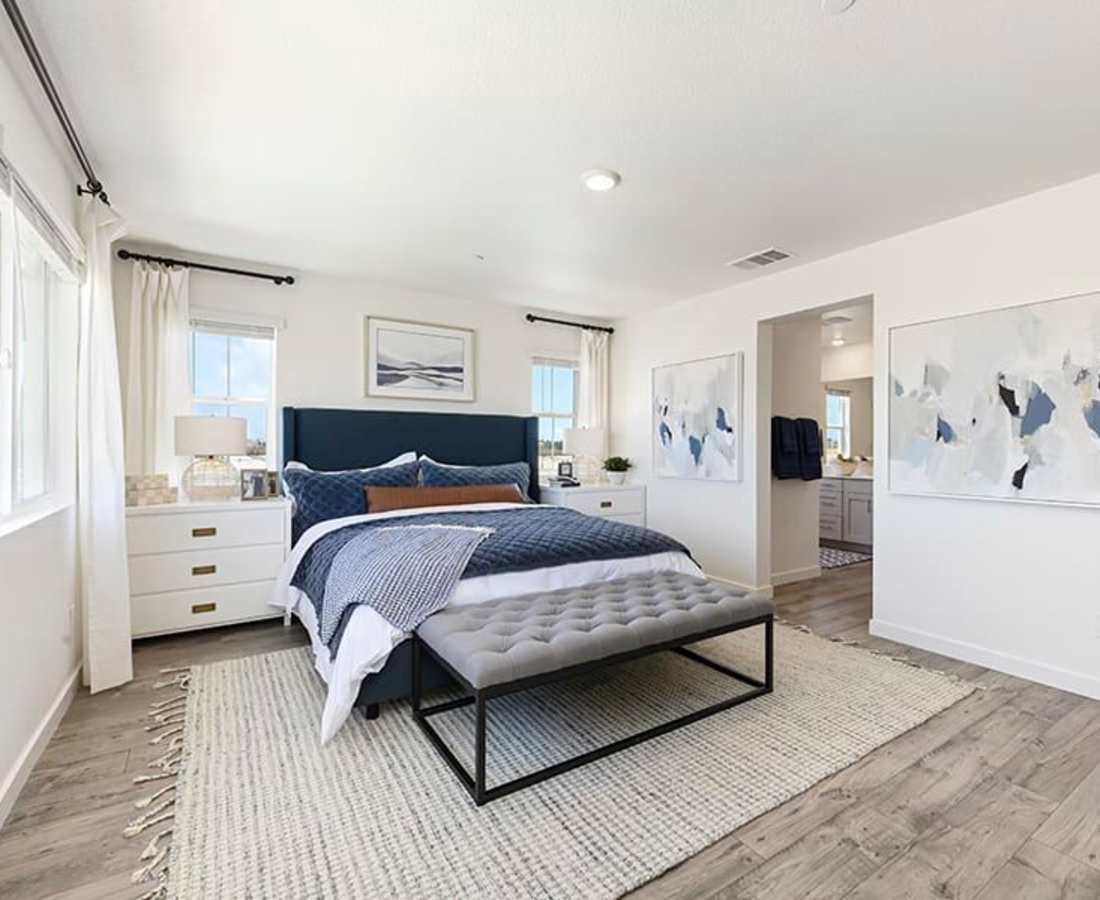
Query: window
[
  {"x": 39, "y": 296},
  {"x": 838, "y": 424},
  {"x": 554, "y": 401},
  {"x": 232, "y": 374}
]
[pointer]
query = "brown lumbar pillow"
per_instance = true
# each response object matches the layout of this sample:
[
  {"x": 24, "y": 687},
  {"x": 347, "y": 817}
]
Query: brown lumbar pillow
[{"x": 383, "y": 499}]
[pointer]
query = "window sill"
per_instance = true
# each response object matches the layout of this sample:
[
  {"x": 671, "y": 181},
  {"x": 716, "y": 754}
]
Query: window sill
[{"x": 33, "y": 512}]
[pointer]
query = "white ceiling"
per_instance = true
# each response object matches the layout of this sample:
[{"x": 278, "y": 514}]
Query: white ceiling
[
  {"x": 394, "y": 140},
  {"x": 860, "y": 329}
]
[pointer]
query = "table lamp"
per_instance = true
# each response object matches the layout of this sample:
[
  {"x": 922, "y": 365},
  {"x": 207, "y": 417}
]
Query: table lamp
[
  {"x": 585, "y": 443},
  {"x": 211, "y": 440}
]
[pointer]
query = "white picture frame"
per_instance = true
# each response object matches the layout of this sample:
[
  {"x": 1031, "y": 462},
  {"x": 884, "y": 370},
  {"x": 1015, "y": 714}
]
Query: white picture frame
[
  {"x": 418, "y": 360},
  {"x": 697, "y": 419}
]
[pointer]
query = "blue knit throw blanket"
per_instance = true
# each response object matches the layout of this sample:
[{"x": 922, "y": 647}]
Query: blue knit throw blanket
[{"x": 404, "y": 573}]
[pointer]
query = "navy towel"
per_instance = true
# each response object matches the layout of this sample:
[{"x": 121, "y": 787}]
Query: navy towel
[
  {"x": 785, "y": 456},
  {"x": 809, "y": 449}
]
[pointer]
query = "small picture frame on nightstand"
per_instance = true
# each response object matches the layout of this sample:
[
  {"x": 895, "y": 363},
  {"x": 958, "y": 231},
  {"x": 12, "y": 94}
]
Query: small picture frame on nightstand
[
  {"x": 565, "y": 469},
  {"x": 254, "y": 484}
]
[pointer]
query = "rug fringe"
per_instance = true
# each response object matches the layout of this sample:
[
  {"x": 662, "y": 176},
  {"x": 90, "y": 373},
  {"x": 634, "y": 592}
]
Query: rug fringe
[
  {"x": 167, "y": 719},
  {"x": 158, "y": 893},
  {"x": 174, "y": 731},
  {"x": 163, "y": 720},
  {"x": 141, "y": 779},
  {"x": 146, "y": 872},
  {"x": 146, "y": 802},
  {"x": 151, "y": 849},
  {"x": 181, "y": 681},
  {"x": 904, "y": 660}
]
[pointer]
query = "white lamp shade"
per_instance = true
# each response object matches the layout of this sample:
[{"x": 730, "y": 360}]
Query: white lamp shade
[
  {"x": 584, "y": 441},
  {"x": 211, "y": 436}
]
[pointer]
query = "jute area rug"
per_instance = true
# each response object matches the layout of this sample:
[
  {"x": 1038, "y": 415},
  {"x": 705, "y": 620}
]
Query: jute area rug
[{"x": 261, "y": 810}]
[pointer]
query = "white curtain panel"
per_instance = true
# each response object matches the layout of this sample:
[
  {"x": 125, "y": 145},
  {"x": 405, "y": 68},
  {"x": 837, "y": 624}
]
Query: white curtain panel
[
  {"x": 593, "y": 386},
  {"x": 101, "y": 492},
  {"x": 157, "y": 386}
]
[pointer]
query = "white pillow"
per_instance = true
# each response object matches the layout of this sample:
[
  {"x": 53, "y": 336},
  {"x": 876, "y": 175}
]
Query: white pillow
[
  {"x": 425, "y": 458},
  {"x": 406, "y": 457}
]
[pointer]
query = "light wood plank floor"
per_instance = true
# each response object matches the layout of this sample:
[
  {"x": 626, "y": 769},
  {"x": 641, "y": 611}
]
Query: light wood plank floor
[{"x": 997, "y": 798}]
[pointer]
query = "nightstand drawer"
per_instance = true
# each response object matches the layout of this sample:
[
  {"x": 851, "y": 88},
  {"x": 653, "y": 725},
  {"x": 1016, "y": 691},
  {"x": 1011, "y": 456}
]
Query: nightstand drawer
[
  {"x": 611, "y": 503},
  {"x": 158, "y": 572},
  {"x": 184, "y": 610},
  {"x": 636, "y": 519},
  {"x": 198, "y": 530}
]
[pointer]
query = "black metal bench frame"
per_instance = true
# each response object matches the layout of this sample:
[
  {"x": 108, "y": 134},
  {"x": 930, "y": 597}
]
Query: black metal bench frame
[{"x": 480, "y": 697}]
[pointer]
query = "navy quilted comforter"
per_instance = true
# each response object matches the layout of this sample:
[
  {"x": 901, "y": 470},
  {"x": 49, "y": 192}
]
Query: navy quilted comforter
[{"x": 524, "y": 538}]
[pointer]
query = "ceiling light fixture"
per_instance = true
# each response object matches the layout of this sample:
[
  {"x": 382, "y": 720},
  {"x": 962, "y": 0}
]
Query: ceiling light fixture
[
  {"x": 838, "y": 341},
  {"x": 601, "y": 179}
]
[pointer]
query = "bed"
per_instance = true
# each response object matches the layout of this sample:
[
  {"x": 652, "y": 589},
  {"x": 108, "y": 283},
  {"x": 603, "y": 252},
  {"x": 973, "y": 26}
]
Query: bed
[{"x": 373, "y": 663}]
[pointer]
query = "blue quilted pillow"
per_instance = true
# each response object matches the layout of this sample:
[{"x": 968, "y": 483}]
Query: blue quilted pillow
[
  {"x": 435, "y": 475},
  {"x": 320, "y": 496}
]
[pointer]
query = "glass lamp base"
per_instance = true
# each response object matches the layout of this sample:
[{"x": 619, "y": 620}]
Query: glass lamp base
[{"x": 211, "y": 478}]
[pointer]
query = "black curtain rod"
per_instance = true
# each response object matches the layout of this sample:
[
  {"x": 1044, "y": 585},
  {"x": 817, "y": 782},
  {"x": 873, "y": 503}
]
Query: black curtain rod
[
  {"x": 531, "y": 317},
  {"x": 94, "y": 186},
  {"x": 168, "y": 261}
]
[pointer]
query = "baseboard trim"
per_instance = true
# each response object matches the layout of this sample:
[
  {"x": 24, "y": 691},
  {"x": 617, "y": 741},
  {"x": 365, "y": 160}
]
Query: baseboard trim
[
  {"x": 24, "y": 765},
  {"x": 1052, "y": 676},
  {"x": 792, "y": 575},
  {"x": 764, "y": 590}
]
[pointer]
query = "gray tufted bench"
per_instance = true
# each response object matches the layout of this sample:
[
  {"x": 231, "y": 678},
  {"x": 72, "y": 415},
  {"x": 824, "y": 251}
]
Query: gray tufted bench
[{"x": 505, "y": 646}]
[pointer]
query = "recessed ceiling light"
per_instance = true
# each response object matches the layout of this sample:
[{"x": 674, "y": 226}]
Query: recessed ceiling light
[
  {"x": 838, "y": 341},
  {"x": 833, "y": 7},
  {"x": 601, "y": 179}
]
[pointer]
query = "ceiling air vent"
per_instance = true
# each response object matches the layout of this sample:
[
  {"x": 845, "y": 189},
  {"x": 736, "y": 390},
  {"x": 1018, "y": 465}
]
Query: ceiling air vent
[{"x": 760, "y": 259}]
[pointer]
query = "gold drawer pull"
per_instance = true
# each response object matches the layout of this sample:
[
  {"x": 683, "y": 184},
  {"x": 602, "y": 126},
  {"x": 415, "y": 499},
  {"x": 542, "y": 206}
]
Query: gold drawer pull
[
  {"x": 197, "y": 608},
  {"x": 203, "y": 570},
  {"x": 203, "y": 532},
  {"x": 605, "y": 504}
]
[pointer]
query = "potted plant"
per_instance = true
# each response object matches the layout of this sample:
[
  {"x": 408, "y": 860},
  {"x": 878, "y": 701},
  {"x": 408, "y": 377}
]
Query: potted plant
[{"x": 616, "y": 468}]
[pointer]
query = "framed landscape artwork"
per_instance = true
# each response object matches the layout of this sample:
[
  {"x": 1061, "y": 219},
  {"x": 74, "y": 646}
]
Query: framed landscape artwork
[
  {"x": 697, "y": 419},
  {"x": 413, "y": 360},
  {"x": 999, "y": 405}
]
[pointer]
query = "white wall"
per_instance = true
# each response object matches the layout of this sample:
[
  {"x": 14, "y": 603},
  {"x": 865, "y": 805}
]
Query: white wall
[
  {"x": 862, "y": 406},
  {"x": 849, "y": 361},
  {"x": 1006, "y": 585},
  {"x": 796, "y": 393},
  {"x": 40, "y": 641},
  {"x": 320, "y": 350}
]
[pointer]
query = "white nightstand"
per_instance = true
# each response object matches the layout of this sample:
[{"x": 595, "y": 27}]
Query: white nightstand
[
  {"x": 624, "y": 503},
  {"x": 197, "y": 565}
]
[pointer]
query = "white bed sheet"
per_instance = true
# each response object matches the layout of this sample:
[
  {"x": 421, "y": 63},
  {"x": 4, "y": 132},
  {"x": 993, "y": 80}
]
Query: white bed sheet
[{"x": 369, "y": 639}]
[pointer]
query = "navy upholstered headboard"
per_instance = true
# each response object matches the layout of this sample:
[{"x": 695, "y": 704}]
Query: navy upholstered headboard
[{"x": 328, "y": 439}]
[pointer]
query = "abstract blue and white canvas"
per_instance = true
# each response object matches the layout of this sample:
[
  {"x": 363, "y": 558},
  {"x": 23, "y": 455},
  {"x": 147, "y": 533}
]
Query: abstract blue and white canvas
[
  {"x": 1001, "y": 405},
  {"x": 697, "y": 419}
]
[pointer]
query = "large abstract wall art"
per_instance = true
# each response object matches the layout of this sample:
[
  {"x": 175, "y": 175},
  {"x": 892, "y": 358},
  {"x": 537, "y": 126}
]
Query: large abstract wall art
[
  {"x": 1003, "y": 405},
  {"x": 697, "y": 419}
]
